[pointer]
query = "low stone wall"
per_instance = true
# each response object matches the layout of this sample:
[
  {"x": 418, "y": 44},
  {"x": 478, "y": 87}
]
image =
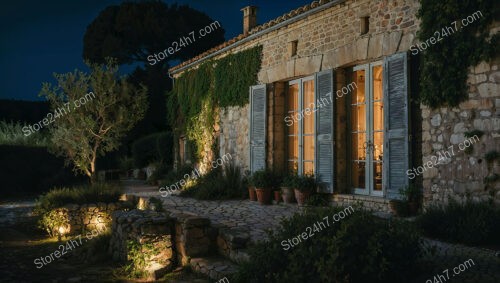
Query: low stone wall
[
  {"x": 370, "y": 203},
  {"x": 194, "y": 237},
  {"x": 165, "y": 240},
  {"x": 87, "y": 217},
  {"x": 147, "y": 232}
]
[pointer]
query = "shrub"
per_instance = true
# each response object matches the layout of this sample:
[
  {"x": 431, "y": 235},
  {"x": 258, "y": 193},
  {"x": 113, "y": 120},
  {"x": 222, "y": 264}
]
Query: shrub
[
  {"x": 358, "y": 248},
  {"x": 290, "y": 181},
  {"x": 13, "y": 134},
  {"x": 306, "y": 183},
  {"x": 265, "y": 179},
  {"x": 468, "y": 223},
  {"x": 153, "y": 148},
  {"x": 218, "y": 184}
]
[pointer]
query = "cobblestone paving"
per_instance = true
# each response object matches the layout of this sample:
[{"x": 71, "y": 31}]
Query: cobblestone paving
[
  {"x": 257, "y": 218},
  {"x": 238, "y": 214}
]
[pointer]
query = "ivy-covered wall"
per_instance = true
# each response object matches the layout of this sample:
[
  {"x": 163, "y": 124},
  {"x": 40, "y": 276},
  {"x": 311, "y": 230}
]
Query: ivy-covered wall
[
  {"x": 454, "y": 35},
  {"x": 198, "y": 94}
]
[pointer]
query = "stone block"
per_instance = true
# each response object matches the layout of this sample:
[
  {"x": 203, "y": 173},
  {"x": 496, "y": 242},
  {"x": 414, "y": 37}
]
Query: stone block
[
  {"x": 307, "y": 65},
  {"x": 406, "y": 41},
  {"x": 361, "y": 48},
  {"x": 488, "y": 89},
  {"x": 375, "y": 46},
  {"x": 391, "y": 42}
]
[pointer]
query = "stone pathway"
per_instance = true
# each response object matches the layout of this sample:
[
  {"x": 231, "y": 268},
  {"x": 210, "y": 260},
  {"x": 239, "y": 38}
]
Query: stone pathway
[
  {"x": 234, "y": 214},
  {"x": 256, "y": 218}
]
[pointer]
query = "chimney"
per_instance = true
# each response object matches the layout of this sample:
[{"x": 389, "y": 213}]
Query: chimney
[{"x": 249, "y": 18}]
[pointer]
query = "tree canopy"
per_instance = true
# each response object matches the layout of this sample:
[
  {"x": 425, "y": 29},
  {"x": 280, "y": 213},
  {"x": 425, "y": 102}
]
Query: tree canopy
[
  {"x": 131, "y": 31},
  {"x": 91, "y": 113}
]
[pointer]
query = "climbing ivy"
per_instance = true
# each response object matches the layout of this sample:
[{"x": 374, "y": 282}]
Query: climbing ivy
[
  {"x": 234, "y": 74},
  {"x": 443, "y": 77},
  {"x": 193, "y": 102}
]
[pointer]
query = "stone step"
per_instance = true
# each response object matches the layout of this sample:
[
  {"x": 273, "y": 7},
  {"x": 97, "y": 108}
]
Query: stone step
[
  {"x": 232, "y": 243},
  {"x": 215, "y": 267}
]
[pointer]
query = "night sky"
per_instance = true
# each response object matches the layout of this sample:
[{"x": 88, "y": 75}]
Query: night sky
[{"x": 39, "y": 38}]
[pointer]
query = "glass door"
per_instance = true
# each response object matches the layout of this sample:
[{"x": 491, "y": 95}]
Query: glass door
[
  {"x": 367, "y": 130},
  {"x": 300, "y": 133}
]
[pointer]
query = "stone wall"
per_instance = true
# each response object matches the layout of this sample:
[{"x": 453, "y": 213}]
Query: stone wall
[
  {"x": 326, "y": 40},
  {"x": 87, "y": 217},
  {"x": 462, "y": 173},
  {"x": 368, "y": 202},
  {"x": 151, "y": 233},
  {"x": 166, "y": 240}
]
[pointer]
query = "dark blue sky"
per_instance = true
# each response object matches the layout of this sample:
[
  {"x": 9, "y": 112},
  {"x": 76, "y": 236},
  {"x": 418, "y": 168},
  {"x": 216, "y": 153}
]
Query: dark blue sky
[{"x": 39, "y": 38}]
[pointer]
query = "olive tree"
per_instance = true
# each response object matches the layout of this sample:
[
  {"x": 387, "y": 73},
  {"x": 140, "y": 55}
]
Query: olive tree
[{"x": 91, "y": 113}]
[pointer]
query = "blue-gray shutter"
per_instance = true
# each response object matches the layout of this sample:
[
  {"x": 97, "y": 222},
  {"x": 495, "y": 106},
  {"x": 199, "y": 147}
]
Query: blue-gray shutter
[
  {"x": 396, "y": 154},
  {"x": 257, "y": 127},
  {"x": 325, "y": 130}
]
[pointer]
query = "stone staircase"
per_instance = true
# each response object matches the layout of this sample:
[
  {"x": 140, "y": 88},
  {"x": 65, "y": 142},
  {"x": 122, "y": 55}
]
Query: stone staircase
[{"x": 211, "y": 249}]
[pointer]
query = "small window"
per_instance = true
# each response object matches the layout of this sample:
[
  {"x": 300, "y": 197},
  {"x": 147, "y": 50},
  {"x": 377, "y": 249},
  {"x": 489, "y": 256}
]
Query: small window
[
  {"x": 292, "y": 48},
  {"x": 364, "y": 25}
]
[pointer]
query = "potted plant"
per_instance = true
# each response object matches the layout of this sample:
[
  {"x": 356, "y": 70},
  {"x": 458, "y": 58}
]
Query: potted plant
[
  {"x": 409, "y": 203},
  {"x": 306, "y": 185},
  {"x": 251, "y": 193},
  {"x": 287, "y": 188},
  {"x": 263, "y": 182},
  {"x": 277, "y": 195}
]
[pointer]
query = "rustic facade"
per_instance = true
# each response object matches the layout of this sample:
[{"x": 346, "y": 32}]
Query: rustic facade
[{"x": 360, "y": 144}]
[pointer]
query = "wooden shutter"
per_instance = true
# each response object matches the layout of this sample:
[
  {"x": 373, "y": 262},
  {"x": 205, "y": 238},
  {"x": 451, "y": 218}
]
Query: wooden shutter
[
  {"x": 396, "y": 154},
  {"x": 325, "y": 130},
  {"x": 257, "y": 127}
]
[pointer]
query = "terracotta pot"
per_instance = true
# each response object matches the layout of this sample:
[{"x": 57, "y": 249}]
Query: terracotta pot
[
  {"x": 301, "y": 197},
  {"x": 251, "y": 194},
  {"x": 277, "y": 196},
  {"x": 263, "y": 195},
  {"x": 287, "y": 195}
]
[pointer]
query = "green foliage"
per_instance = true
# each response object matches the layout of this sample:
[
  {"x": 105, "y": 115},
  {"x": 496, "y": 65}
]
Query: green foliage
[
  {"x": 319, "y": 200},
  {"x": 291, "y": 181},
  {"x": 358, "y": 248},
  {"x": 46, "y": 205},
  {"x": 126, "y": 163},
  {"x": 137, "y": 256},
  {"x": 234, "y": 74},
  {"x": 153, "y": 148},
  {"x": 491, "y": 156},
  {"x": 445, "y": 64},
  {"x": 95, "y": 193},
  {"x": 51, "y": 221},
  {"x": 174, "y": 175},
  {"x": 113, "y": 106},
  {"x": 218, "y": 184},
  {"x": 198, "y": 93},
  {"x": 12, "y": 134},
  {"x": 306, "y": 183},
  {"x": 263, "y": 179},
  {"x": 131, "y": 31},
  {"x": 469, "y": 223}
]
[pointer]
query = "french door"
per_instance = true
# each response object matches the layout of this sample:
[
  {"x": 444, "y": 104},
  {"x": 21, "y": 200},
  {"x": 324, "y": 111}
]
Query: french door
[
  {"x": 300, "y": 133},
  {"x": 367, "y": 130}
]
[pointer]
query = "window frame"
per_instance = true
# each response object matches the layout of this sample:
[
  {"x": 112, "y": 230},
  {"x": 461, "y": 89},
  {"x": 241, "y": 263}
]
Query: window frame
[{"x": 300, "y": 134}]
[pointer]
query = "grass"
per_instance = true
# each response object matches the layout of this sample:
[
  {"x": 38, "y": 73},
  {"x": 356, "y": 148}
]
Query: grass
[{"x": 12, "y": 134}]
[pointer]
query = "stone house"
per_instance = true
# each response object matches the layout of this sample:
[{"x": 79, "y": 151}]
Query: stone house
[{"x": 336, "y": 97}]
